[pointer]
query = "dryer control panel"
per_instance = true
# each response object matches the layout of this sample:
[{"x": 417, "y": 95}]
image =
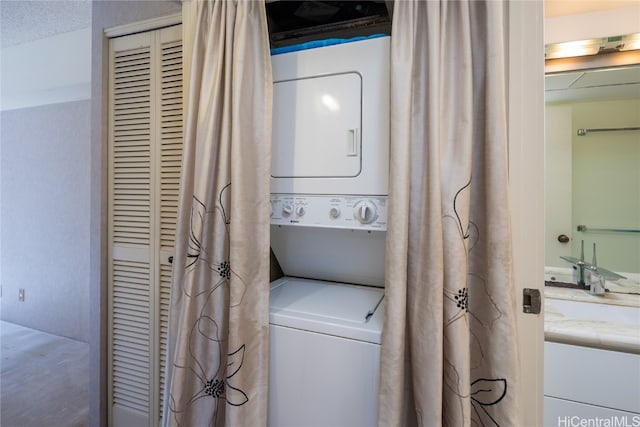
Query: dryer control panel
[{"x": 351, "y": 212}]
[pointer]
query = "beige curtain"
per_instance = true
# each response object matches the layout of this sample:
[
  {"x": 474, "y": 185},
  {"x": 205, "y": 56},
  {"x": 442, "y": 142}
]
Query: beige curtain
[
  {"x": 218, "y": 342},
  {"x": 449, "y": 354}
]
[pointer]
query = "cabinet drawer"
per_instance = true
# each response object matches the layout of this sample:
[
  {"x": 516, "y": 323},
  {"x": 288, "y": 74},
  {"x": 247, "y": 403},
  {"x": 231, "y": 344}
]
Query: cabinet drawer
[
  {"x": 560, "y": 412},
  {"x": 599, "y": 377}
]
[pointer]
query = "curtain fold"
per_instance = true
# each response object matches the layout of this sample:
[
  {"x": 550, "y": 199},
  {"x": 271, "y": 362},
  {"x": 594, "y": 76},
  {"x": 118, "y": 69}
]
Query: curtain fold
[
  {"x": 217, "y": 372},
  {"x": 449, "y": 354}
]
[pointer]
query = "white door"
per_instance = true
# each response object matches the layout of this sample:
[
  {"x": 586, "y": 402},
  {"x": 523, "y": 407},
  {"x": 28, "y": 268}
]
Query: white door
[
  {"x": 557, "y": 186},
  {"x": 526, "y": 177},
  {"x": 145, "y": 150},
  {"x": 316, "y": 127}
]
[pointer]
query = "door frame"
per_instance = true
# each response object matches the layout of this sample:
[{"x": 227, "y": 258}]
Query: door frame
[{"x": 526, "y": 181}]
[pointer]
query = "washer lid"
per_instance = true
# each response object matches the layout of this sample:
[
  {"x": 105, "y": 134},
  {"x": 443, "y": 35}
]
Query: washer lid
[
  {"x": 334, "y": 302},
  {"x": 341, "y": 310}
]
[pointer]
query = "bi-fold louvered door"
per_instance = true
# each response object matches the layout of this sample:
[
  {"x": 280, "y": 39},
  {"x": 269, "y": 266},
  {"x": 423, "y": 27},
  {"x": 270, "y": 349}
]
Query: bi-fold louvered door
[{"x": 145, "y": 148}]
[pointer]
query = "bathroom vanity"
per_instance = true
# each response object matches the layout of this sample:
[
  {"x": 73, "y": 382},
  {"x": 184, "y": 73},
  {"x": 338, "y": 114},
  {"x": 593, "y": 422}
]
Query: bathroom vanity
[{"x": 592, "y": 356}]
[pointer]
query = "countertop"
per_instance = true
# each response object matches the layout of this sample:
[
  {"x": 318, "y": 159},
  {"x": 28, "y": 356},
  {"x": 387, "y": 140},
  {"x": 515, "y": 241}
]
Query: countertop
[{"x": 583, "y": 331}]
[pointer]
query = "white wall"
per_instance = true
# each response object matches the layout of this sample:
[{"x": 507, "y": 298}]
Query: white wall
[
  {"x": 45, "y": 218},
  {"x": 45, "y": 177},
  {"x": 51, "y": 70}
]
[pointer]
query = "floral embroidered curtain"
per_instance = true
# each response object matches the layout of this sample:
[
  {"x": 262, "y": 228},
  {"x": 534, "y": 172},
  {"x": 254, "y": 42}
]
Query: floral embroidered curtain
[
  {"x": 217, "y": 371},
  {"x": 449, "y": 354}
]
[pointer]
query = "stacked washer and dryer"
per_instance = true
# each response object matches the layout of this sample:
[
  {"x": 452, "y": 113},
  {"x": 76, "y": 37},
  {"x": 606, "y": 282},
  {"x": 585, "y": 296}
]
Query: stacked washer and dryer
[{"x": 330, "y": 162}]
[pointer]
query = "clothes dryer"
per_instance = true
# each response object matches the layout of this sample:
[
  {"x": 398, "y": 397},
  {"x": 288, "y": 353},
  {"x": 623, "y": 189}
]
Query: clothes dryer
[{"x": 331, "y": 120}]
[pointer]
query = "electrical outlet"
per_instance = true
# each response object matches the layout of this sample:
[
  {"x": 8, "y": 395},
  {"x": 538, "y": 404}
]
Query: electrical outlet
[{"x": 21, "y": 294}]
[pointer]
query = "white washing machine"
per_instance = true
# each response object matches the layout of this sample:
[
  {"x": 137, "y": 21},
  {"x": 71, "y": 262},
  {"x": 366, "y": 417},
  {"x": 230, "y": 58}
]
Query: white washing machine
[
  {"x": 328, "y": 228},
  {"x": 326, "y": 315},
  {"x": 325, "y": 353}
]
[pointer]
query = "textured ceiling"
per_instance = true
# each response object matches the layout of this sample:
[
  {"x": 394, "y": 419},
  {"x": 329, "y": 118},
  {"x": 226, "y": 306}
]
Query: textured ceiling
[{"x": 22, "y": 21}]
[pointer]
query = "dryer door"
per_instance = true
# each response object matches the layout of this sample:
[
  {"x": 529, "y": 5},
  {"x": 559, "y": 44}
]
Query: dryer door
[{"x": 316, "y": 127}]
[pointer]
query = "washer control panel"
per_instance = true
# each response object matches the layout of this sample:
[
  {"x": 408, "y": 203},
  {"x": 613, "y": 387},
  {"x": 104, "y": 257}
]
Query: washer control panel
[{"x": 352, "y": 212}]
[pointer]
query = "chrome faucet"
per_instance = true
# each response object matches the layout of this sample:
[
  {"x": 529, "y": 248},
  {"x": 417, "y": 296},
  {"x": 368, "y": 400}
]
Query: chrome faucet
[
  {"x": 578, "y": 268},
  {"x": 590, "y": 276},
  {"x": 596, "y": 280}
]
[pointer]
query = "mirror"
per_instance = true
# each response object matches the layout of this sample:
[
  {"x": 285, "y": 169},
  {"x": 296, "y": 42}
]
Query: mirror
[{"x": 592, "y": 180}]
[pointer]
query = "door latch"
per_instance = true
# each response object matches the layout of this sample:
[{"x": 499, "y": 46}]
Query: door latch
[{"x": 531, "y": 301}]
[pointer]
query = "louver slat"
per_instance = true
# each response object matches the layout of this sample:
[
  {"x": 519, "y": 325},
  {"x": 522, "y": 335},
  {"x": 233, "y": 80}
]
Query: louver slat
[
  {"x": 131, "y": 226},
  {"x": 170, "y": 140},
  {"x": 131, "y": 147},
  {"x": 130, "y": 334},
  {"x": 165, "y": 293},
  {"x": 170, "y": 163}
]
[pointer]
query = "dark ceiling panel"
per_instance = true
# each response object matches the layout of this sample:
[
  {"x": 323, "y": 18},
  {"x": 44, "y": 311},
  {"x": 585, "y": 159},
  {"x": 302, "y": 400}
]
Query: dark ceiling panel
[{"x": 293, "y": 22}]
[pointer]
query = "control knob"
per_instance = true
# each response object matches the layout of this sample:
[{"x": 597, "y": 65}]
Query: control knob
[
  {"x": 287, "y": 210},
  {"x": 365, "y": 212},
  {"x": 300, "y": 210},
  {"x": 334, "y": 212}
]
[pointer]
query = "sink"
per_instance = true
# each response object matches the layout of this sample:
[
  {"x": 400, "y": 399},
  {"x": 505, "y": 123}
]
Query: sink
[{"x": 600, "y": 311}]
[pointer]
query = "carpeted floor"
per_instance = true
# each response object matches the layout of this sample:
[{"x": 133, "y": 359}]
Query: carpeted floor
[{"x": 44, "y": 379}]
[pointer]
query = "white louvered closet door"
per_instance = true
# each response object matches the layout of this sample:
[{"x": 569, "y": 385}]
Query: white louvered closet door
[{"x": 145, "y": 148}]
